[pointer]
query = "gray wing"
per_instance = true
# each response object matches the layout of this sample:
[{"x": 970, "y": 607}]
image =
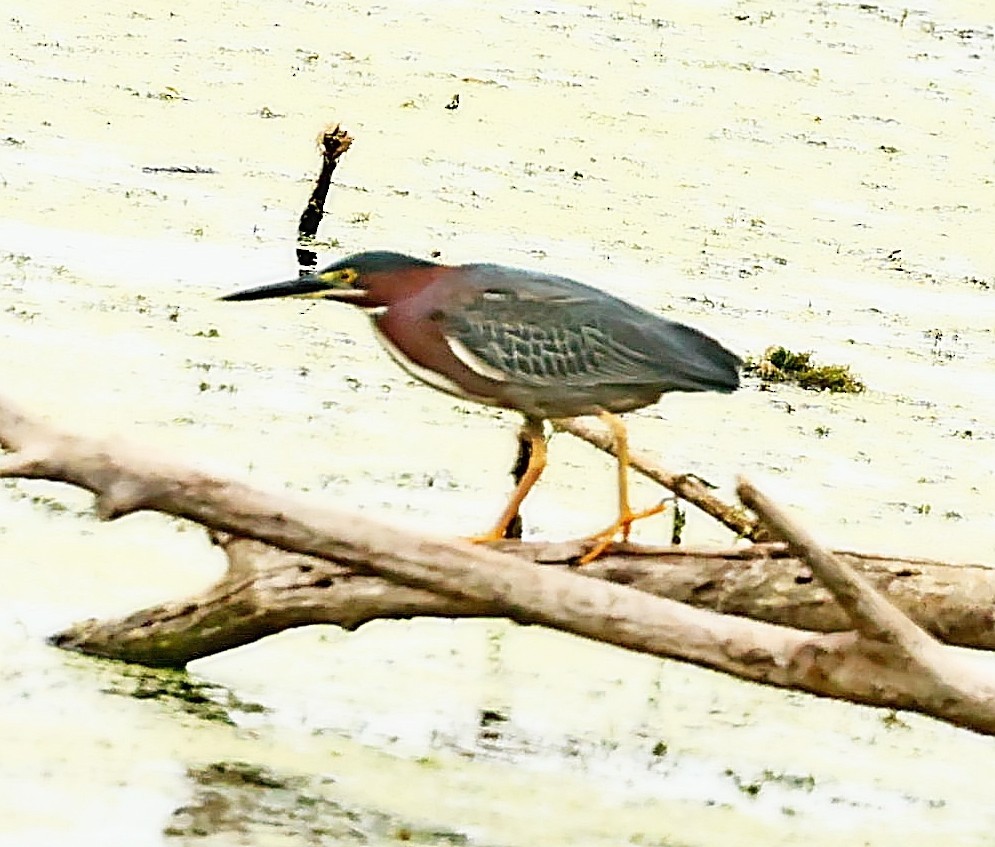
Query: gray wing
[{"x": 542, "y": 330}]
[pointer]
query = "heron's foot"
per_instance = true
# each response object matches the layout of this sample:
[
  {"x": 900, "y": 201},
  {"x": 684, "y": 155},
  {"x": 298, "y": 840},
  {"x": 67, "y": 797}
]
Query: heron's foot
[
  {"x": 496, "y": 534},
  {"x": 623, "y": 525}
]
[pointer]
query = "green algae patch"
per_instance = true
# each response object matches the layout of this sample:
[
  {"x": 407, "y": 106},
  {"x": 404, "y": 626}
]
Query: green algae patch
[
  {"x": 239, "y": 800},
  {"x": 179, "y": 691},
  {"x": 778, "y": 364}
]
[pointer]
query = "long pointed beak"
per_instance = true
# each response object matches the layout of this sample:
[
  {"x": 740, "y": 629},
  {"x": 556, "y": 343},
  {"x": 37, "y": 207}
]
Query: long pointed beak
[
  {"x": 310, "y": 287},
  {"x": 306, "y": 285}
]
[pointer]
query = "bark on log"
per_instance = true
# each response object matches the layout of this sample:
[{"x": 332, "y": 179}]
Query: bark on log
[
  {"x": 885, "y": 661},
  {"x": 944, "y": 681},
  {"x": 267, "y": 590},
  {"x": 955, "y": 602}
]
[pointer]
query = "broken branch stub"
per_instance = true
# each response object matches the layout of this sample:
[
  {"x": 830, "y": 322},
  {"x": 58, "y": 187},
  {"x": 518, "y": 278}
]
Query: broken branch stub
[{"x": 334, "y": 142}]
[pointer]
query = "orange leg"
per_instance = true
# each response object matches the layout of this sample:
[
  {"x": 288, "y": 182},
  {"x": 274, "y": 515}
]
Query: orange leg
[
  {"x": 626, "y": 517},
  {"x": 537, "y": 464}
]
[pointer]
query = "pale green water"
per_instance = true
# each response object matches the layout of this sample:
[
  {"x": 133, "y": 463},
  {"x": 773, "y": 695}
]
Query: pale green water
[{"x": 731, "y": 171}]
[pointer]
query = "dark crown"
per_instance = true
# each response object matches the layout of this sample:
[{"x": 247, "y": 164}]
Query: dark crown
[{"x": 378, "y": 261}]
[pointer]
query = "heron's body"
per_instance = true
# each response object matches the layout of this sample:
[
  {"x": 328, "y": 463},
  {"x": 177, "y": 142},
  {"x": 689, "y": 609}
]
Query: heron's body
[
  {"x": 546, "y": 346},
  {"x": 550, "y": 348}
]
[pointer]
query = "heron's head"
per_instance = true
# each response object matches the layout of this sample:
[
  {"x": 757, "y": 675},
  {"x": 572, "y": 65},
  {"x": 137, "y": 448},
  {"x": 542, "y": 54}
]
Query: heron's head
[{"x": 368, "y": 280}]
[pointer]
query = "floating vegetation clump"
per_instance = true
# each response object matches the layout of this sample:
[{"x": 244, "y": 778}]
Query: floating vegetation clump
[
  {"x": 255, "y": 805},
  {"x": 778, "y": 364}
]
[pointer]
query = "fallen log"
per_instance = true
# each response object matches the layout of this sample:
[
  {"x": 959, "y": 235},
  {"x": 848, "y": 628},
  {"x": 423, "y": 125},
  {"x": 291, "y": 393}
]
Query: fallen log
[
  {"x": 361, "y": 569},
  {"x": 266, "y": 590}
]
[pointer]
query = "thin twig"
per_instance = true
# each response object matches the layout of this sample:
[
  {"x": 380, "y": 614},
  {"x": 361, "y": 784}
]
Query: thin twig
[{"x": 685, "y": 486}]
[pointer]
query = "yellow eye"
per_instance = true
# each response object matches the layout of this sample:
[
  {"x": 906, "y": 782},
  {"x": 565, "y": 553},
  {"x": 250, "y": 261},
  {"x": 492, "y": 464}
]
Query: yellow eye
[{"x": 342, "y": 278}]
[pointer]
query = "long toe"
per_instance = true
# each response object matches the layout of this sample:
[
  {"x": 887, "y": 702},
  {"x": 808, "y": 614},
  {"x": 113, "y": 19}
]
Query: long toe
[
  {"x": 486, "y": 537},
  {"x": 602, "y": 540},
  {"x": 625, "y": 524}
]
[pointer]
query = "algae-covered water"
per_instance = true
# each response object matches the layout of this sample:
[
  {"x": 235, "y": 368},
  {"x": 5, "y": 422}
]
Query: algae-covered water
[{"x": 817, "y": 175}]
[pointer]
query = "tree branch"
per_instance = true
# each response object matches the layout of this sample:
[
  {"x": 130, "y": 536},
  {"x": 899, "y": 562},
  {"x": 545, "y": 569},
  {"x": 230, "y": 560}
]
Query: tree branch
[
  {"x": 685, "y": 486},
  {"x": 365, "y": 569}
]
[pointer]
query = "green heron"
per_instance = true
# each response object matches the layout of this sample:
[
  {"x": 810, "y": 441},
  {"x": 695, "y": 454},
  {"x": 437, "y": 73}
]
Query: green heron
[{"x": 546, "y": 346}]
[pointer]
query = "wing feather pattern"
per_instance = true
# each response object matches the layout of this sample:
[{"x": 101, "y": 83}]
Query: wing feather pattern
[{"x": 555, "y": 332}]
